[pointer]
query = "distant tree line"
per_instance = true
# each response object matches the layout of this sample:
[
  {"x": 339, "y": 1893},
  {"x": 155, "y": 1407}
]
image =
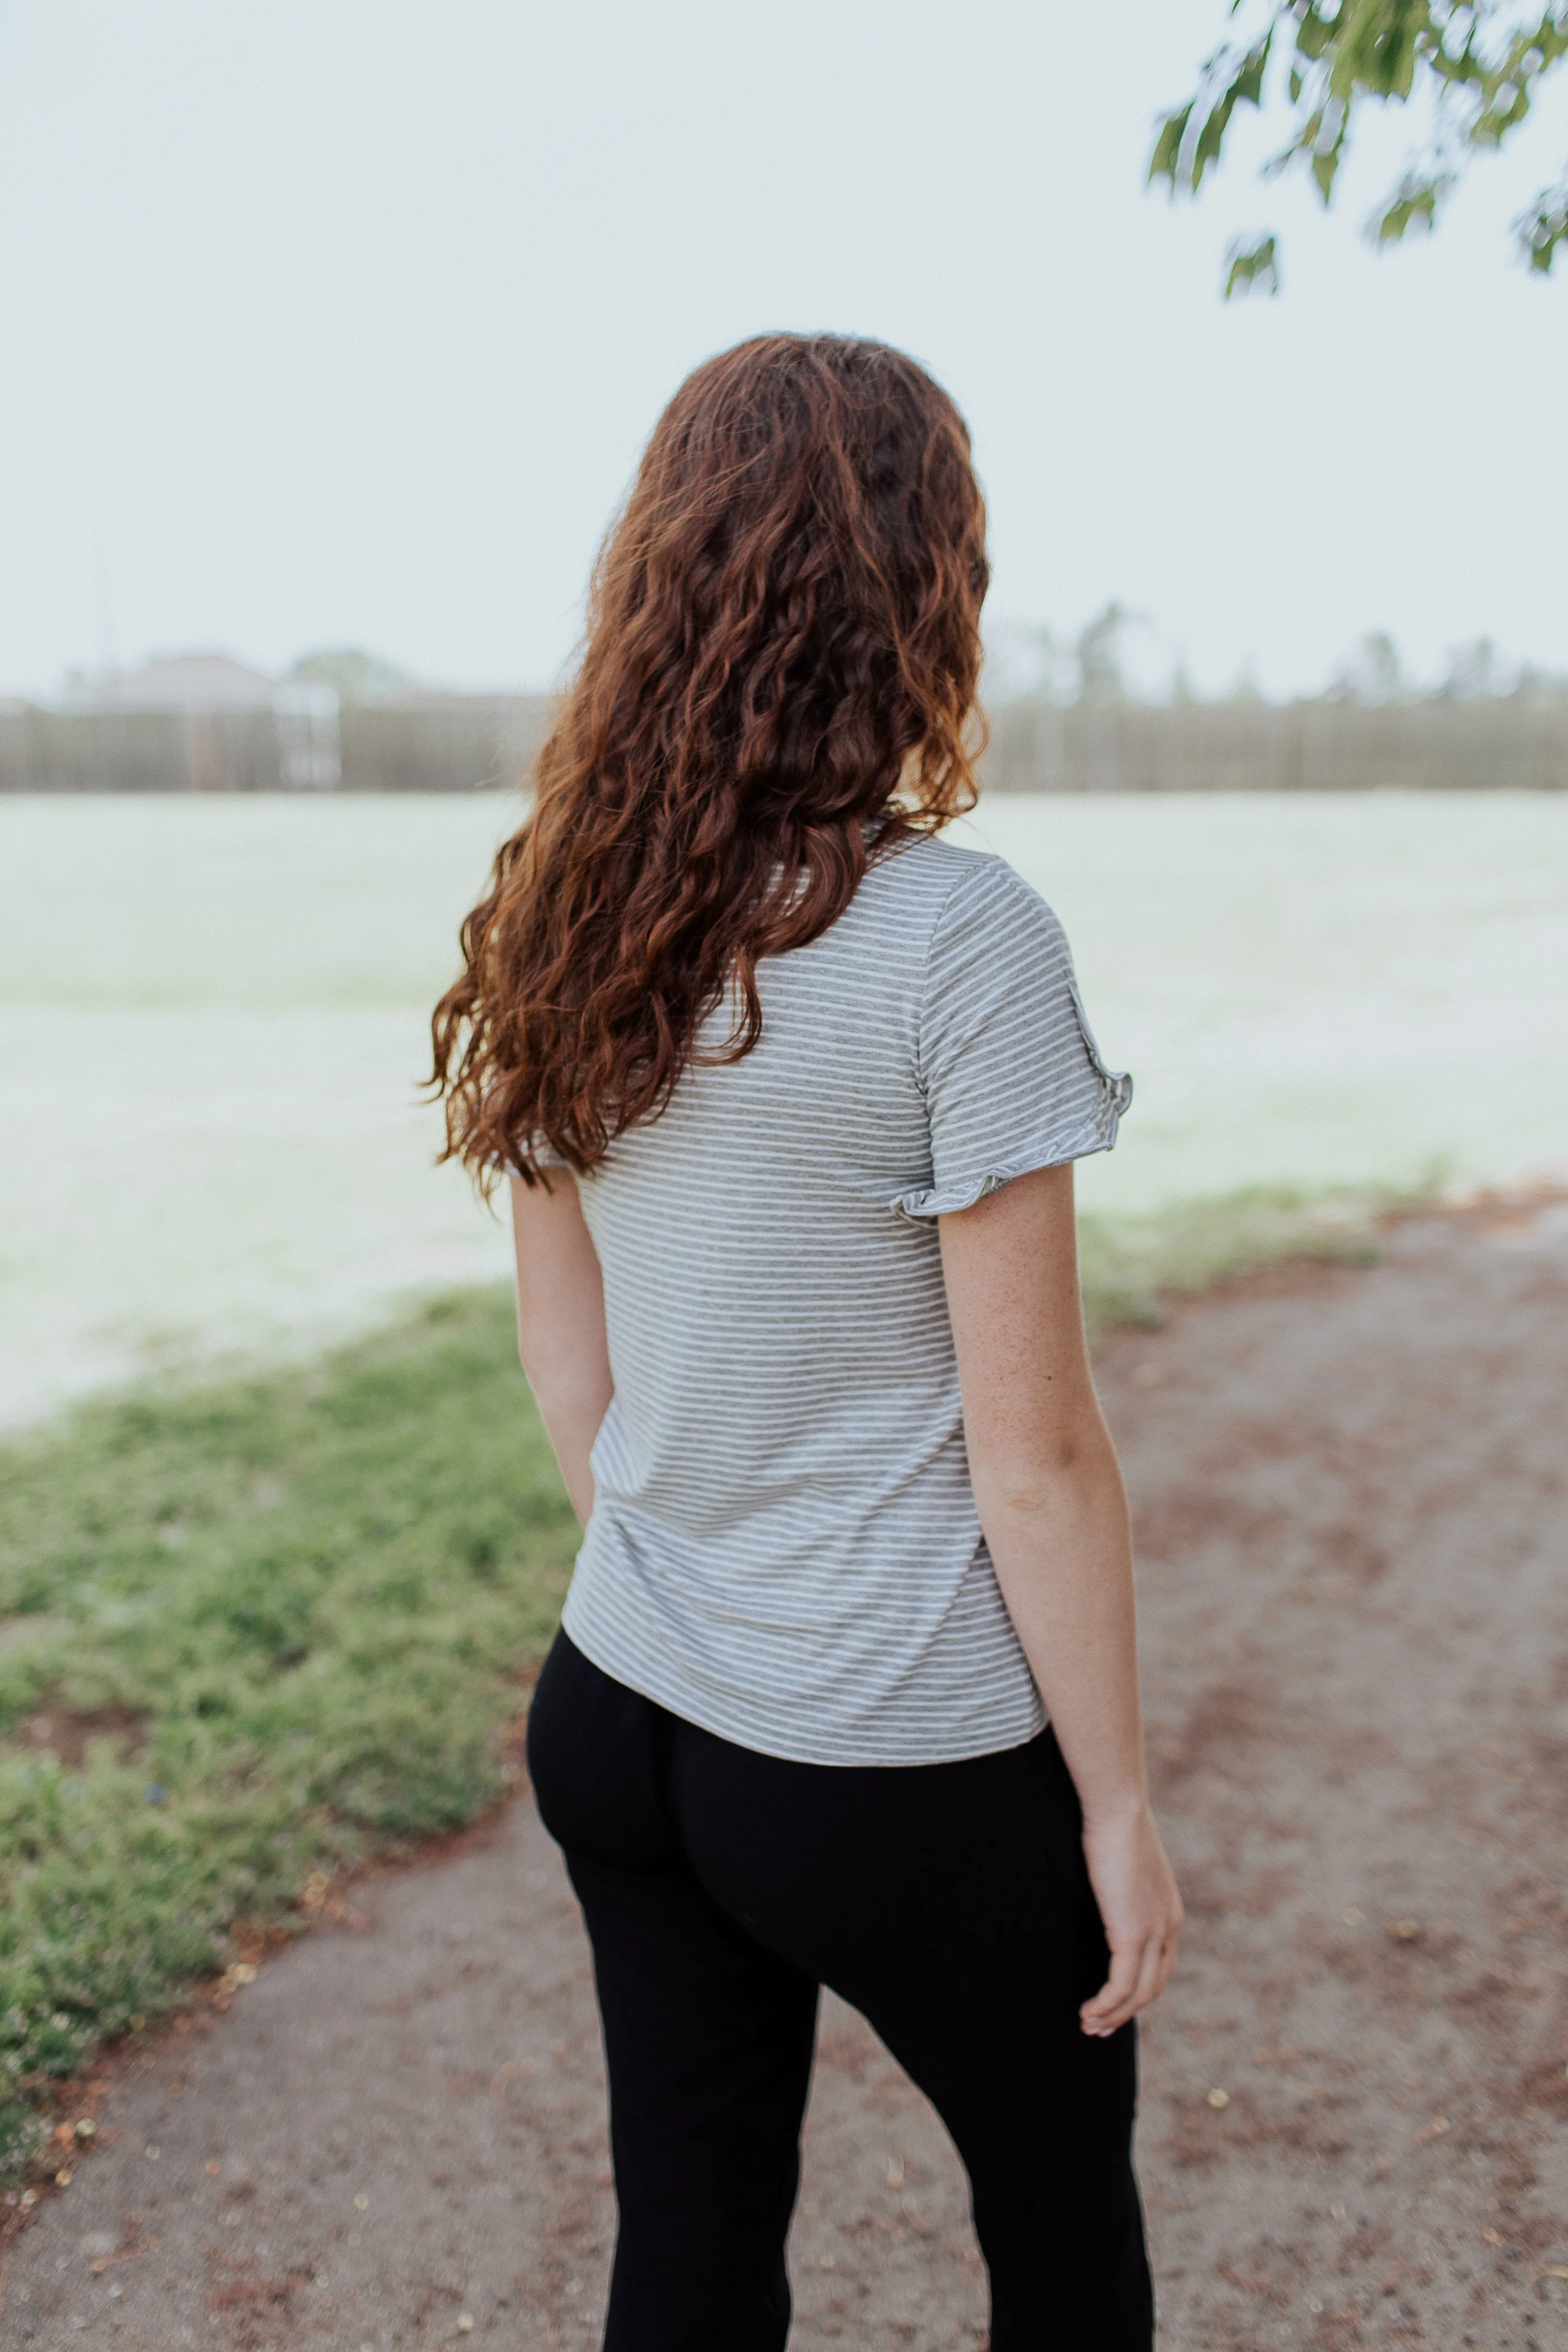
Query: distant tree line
[{"x": 1028, "y": 663}]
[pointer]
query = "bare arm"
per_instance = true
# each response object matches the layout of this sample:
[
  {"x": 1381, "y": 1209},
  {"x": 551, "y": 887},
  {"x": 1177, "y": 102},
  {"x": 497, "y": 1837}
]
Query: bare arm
[
  {"x": 561, "y": 1324},
  {"x": 1050, "y": 1500}
]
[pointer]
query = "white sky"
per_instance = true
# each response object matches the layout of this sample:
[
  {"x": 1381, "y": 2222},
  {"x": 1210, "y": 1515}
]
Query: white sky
[{"x": 342, "y": 322}]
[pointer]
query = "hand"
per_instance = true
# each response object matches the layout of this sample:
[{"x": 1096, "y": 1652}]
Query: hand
[{"x": 1136, "y": 1891}]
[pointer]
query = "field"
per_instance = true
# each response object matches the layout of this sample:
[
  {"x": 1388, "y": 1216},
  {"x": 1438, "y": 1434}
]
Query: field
[
  {"x": 253, "y": 1628},
  {"x": 212, "y": 1024}
]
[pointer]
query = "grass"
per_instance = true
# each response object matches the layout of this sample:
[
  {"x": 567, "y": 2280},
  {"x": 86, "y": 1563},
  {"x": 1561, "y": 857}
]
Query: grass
[
  {"x": 247, "y": 1634},
  {"x": 1131, "y": 1268},
  {"x": 253, "y": 1631}
]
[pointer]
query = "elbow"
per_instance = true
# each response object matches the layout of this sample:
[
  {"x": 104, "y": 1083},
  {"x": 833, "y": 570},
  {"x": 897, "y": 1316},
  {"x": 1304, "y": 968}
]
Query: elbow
[
  {"x": 539, "y": 1347},
  {"x": 1032, "y": 1487},
  {"x": 1026, "y": 1497},
  {"x": 539, "y": 1368}
]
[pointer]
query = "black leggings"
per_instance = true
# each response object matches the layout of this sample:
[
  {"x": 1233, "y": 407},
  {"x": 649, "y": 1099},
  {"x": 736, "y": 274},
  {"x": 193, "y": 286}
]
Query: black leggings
[{"x": 948, "y": 1903}]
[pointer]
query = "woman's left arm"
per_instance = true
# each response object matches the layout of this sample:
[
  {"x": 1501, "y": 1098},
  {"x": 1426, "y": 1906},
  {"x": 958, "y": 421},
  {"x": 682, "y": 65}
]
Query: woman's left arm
[
  {"x": 1048, "y": 1493},
  {"x": 561, "y": 1324}
]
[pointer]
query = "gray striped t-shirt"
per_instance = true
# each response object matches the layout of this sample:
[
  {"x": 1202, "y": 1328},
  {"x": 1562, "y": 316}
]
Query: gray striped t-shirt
[{"x": 784, "y": 1546}]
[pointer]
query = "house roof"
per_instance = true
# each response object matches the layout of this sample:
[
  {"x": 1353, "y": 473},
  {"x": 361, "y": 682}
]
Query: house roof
[{"x": 199, "y": 681}]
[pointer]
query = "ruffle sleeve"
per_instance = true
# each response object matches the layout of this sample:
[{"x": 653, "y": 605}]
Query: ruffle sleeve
[{"x": 1012, "y": 1076}]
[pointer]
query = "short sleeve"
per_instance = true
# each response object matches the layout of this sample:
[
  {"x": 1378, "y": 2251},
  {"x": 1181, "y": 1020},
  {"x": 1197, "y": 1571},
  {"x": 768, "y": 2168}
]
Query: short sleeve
[
  {"x": 544, "y": 1155},
  {"x": 1012, "y": 1076}
]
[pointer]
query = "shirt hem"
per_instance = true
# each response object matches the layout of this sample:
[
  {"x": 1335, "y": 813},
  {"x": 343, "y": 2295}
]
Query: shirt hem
[{"x": 849, "y": 1753}]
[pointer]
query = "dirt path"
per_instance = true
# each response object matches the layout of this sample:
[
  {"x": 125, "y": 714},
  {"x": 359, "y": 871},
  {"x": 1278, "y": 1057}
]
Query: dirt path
[{"x": 1352, "y": 1491}]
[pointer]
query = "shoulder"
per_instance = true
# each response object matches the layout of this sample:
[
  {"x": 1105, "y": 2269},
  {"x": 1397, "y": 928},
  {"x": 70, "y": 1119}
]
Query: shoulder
[
  {"x": 950, "y": 881},
  {"x": 971, "y": 898},
  {"x": 928, "y": 865}
]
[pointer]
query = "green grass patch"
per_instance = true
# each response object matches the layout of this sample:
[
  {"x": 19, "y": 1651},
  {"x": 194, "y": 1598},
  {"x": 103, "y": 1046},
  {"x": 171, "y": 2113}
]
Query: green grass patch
[
  {"x": 1133, "y": 1267},
  {"x": 253, "y": 1631},
  {"x": 249, "y": 1632}
]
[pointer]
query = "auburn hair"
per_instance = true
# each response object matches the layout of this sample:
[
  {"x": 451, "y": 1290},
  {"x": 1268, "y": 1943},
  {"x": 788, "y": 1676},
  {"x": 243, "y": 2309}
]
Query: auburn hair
[{"x": 776, "y": 685}]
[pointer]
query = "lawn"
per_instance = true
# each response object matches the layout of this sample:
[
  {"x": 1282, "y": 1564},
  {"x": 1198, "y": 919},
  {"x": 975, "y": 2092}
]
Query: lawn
[{"x": 253, "y": 1631}]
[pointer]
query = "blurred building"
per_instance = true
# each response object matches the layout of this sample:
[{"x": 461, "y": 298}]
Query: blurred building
[
  {"x": 194, "y": 682},
  {"x": 202, "y": 722}
]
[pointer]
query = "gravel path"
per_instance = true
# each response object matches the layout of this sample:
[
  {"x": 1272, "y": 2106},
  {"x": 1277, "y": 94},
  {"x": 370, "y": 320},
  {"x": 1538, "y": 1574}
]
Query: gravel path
[{"x": 1351, "y": 1493}]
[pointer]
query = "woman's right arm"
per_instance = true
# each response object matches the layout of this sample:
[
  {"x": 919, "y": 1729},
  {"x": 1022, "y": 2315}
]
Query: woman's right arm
[
  {"x": 1048, "y": 1492},
  {"x": 561, "y": 1324}
]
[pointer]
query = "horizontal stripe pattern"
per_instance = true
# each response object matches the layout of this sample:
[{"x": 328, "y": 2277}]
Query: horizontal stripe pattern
[{"x": 784, "y": 1546}]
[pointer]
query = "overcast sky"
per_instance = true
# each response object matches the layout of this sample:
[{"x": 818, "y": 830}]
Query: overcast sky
[{"x": 341, "y": 322}]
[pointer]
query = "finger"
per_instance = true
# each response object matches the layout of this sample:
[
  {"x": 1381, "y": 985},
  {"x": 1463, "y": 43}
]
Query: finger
[
  {"x": 1125, "y": 1960},
  {"x": 1142, "y": 1992},
  {"x": 1118, "y": 2002},
  {"x": 1169, "y": 1948},
  {"x": 1109, "y": 2009},
  {"x": 1149, "y": 1976}
]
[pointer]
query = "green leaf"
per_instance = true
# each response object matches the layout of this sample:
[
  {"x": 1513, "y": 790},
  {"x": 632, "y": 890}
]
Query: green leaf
[
  {"x": 1171, "y": 161},
  {"x": 1317, "y": 30},
  {"x": 1543, "y": 228},
  {"x": 1248, "y": 86},
  {"x": 1379, "y": 46},
  {"x": 1167, "y": 153},
  {"x": 1254, "y": 269},
  {"x": 1414, "y": 202},
  {"x": 1246, "y": 90}
]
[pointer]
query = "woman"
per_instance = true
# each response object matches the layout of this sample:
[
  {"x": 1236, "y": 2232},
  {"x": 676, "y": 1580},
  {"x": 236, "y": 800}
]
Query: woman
[{"x": 789, "y": 1091}]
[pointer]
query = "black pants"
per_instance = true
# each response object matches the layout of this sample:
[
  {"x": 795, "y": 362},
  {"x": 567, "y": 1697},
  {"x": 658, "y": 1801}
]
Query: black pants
[{"x": 948, "y": 1903}]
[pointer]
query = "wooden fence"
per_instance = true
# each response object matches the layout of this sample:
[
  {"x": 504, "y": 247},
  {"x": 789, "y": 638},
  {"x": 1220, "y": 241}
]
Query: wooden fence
[
  {"x": 468, "y": 741},
  {"x": 456, "y": 746},
  {"x": 1129, "y": 747}
]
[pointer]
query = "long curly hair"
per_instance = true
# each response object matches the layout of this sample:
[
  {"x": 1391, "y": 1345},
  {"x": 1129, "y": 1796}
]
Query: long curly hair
[{"x": 777, "y": 685}]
